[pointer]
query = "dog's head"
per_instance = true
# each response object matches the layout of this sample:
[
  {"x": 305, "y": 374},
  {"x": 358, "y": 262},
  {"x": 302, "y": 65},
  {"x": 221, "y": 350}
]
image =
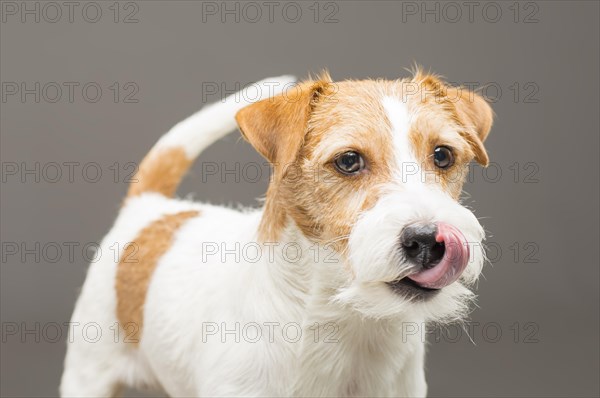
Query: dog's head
[{"x": 377, "y": 167}]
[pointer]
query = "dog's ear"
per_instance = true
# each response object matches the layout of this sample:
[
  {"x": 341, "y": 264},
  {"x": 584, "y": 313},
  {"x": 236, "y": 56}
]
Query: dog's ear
[
  {"x": 477, "y": 116},
  {"x": 276, "y": 126},
  {"x": 472, "y": 111}
]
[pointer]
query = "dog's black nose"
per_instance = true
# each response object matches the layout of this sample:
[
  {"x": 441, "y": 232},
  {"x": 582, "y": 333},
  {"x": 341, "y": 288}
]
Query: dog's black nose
[{"x": 419, "y": 245}]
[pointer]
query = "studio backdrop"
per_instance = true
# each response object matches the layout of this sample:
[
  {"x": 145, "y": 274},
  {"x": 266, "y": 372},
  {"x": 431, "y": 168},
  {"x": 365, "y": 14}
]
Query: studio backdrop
[{"x": 89, "y": 86}]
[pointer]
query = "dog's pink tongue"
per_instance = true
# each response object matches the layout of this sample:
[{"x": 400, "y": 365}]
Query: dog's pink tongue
[{"x": 454, "y": 262}]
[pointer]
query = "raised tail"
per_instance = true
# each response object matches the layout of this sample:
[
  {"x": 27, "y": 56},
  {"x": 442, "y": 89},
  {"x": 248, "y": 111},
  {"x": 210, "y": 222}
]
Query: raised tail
[{"x": 166, "y": 164}]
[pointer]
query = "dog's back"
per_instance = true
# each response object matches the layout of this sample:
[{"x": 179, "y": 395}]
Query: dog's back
[{"x": 130, "y": 328}]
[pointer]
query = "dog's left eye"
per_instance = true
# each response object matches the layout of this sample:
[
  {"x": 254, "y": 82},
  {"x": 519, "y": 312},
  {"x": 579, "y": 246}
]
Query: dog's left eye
[
  {"x": 443, "y": 157},
  {"x": 349, "y": 163}
]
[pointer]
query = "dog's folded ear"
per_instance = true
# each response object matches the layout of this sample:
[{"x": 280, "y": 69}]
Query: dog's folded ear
[
  {"x": 476, "y": 115},
  {"x": 276, "y": 126},
  {"x": 472, "y": 111}
]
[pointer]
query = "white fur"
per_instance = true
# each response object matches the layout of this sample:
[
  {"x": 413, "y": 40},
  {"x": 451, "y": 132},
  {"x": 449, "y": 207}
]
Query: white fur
[
  {"x": 194, "y": 289},
  {"x": 400, "y": 119}
]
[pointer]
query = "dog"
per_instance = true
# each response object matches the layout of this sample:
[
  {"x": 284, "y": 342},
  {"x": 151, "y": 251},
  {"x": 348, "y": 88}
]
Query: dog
[{"x": 361, "y": 233}]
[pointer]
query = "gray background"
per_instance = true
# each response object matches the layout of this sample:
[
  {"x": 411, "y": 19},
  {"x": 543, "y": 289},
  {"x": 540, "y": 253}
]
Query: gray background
[{"x": 549, "y": 293}]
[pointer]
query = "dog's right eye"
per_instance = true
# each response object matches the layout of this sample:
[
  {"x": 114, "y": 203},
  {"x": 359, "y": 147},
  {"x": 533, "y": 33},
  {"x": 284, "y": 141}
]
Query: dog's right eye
[{"x": 349, "y": 163}]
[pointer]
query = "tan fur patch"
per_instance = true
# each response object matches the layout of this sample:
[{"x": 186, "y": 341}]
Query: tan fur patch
[
  {"x": 323, "y": 203},
  {"x": 161, "y": 171},
  {"x": 136, "y": 266},
  {"x": 465, "y": 108}
]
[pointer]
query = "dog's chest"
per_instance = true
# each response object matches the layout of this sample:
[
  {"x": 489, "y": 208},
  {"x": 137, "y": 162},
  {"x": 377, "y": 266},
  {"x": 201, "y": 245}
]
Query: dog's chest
[{"x": 361, "y": 361}]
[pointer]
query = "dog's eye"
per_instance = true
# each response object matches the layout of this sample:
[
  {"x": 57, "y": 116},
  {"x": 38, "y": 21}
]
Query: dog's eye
[
  {"x": 349, "y": 162},
  {"x": 443, "y": 157}
]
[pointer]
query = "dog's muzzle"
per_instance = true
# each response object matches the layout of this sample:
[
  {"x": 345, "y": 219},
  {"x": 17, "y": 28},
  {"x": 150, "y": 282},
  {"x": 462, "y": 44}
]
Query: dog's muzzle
[{"x": 439, "y": 251}]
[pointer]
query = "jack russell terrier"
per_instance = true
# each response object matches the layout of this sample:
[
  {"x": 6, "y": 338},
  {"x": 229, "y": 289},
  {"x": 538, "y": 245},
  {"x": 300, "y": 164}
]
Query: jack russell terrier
[{"x": 360, "y": 235}]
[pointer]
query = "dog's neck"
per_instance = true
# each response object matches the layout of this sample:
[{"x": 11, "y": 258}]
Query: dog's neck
[{"x": 342, "y": 352}]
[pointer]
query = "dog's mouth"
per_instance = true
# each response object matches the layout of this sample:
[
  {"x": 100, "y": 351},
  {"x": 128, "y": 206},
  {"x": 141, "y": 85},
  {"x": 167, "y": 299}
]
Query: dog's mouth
[
  {"x": 426, "y": 281},
  {"x": 411, "y": 289}
]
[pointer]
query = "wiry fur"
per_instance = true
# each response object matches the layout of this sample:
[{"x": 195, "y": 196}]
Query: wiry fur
[{"x": 346, "y": 229}]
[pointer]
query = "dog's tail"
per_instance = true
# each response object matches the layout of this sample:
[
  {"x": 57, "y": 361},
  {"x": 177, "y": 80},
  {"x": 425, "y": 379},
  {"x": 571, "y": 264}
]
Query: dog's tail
[{"x": 166, "y": 164}]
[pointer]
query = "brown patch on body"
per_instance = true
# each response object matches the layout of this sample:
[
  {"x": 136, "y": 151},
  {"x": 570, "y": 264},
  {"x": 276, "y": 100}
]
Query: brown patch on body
[
  {"x": 136, "y": 266},
  {"x": 161, "y": 171}
]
